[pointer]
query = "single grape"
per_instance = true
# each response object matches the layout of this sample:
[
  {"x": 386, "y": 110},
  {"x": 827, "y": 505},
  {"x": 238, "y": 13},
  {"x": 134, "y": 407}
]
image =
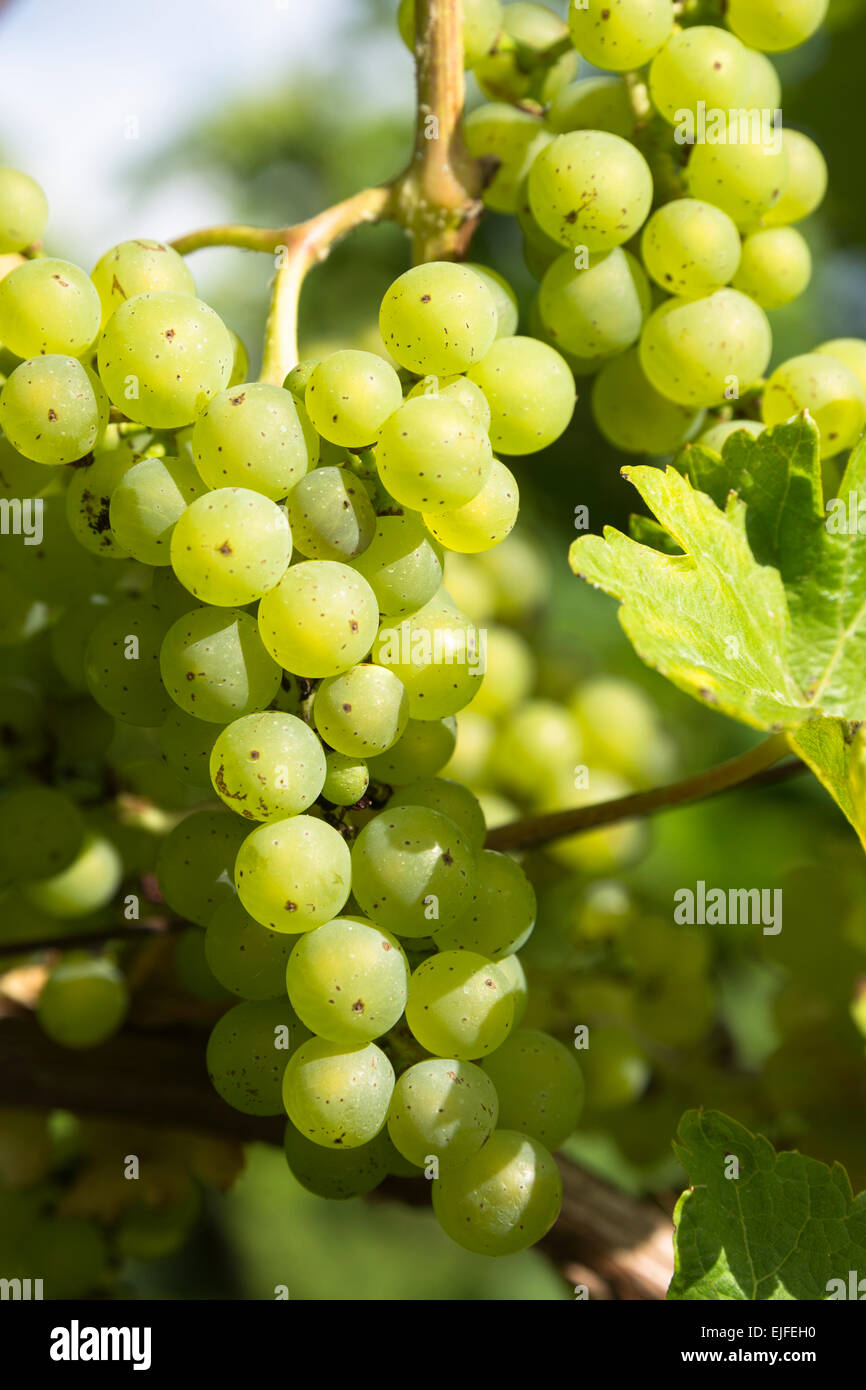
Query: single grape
[
  {"x": 41, "y": 831},
  {"x": 348, "y": 980},
  {"x": 413, "y": 870},
  {"x": 459, "y": 1005},
  {"x": 633, "y": 416},
  {"x": 536, "y": 743},
  {"x": 482, "y": 21},
  {"x": 765, "y": 91},
  {"x": 293, "y": 874},
  {"x": 717, "y": 435},
  {"x": 615, "y": 1069},
  {"x": 299, "y": 376},
  {"x": 53, "y": 409},
  {"x": 745, "y": 179},
  {"x": 458, "y": 389},
  {"x": 422, "y": 750},
  {"x": 502, "y": 913},
  {"x": 88, "y": 498},
  {"x": 806, "y": 181},
  {"x": 337, "y": 1096},
  {"x": 195, "y": 861},
  {"x": 23, "y": 210},
  {"x": 255, "y": 436},
  {"x": 775, "y": 27},
  {"x": 248, "y": 1051},
  {"x": 620, "y": 35},
  {"x": 513, "y": 138},
  {"x": 826, "y": 388},
  {"x": 590, "y": 188},
  {"x": 402, "y": 564},
  {"x": 438, "y": 318},
  {"x": 432, "y": 455},
  {"x": 690, "y": 248},
  {"x": 695, "y": 351},
  {"x": 511, "y": 673},
  {"x": 851, "y": 352},
  {"x": 48, "y": 306},
  {"x": 337, "y": 1174},
  {"x": 700, "y": 64},
  {"x": 539, "y": 1085},
  {"x": 598, "y": 310},
  {"x": 520, "y": 67},
  {"x": 83, "y": 1001},
  {"x": 350, "y": 396},
  {"x": 437, "y": 654},
  {"x": 531, "y": 394},
  {"x": 214, "y": 665},
  {"x": 361, "y": 712},
  {"x": 146, "y": 504},
  {"x": 331, "y": 515},
  {"x": 346, "y": 779},
  {"x": 593, "y": 103},
  {"x": 507, "y": 308},
  {"x": 504, "y": 1199},
  {"x": 320, "y": 619},
  {"x": 122, "y": 663},
  {"x": 621, "y": 729},
  {"x": 267, "y": 766},
  {"x": 84, "y": 886},
  {"x": 231, "y": 546},
  {"x": 451, "y": 799},
  {"x": 244, "y": 956},
  {"x": 134, "y": 267},
  {"x": 443, "y": 1109},
  {"x": 775, "y": 268}
]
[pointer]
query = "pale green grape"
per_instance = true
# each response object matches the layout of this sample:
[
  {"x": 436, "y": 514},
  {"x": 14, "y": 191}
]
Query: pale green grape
[
  {"x": 503, "y": 1199},
  {"x": 412, "y": 871},
  {"x": 615, "y": 1069},
  {"x": 361, "y": 712},
  {"x": 215, "y": 666},
  {"x": 334, "y": 1173},
  {"x": 620, "y": 34},
  {"x": 540, "y": 1087},
  {"x": 195, "y": 861},
  {"x": 437, "y": 653},
  {"x": 23, "y": 210},
  {"x": 512, "y": 137},
  {"x": 518, "y": 68},
  {"x": 168, "y": 594},
  {"x": 590, "y": 188},
  {"x": 700, "y": 352},
  {"x": 826, "y": 388},
  {"x": 248, "y": 1051},
  {"x": 502, "y": 913},
  {"x": 331, "y": 515},
  {"x": 255, "y": 436},
  {"x": 69, "y": 639},
  {"x": 507, "y": 308},
  {"x": 293, "y": 874},
  {"x": 746, "y": 179},
  {"x": 805, "y": 184},
  {"x": 621, "y": 729},
  {"x": 851, "y": 352},
  {"x": 511, "y": 673},
  {"x": 23, "y": 477},
  {"x": 459, "y": 389},
  {"x": 320, "y": 619},
  {"x": 348, "y": 981},
  {"x": 244, "y": 956},
  {"x": 634, "y": 416},
  {"x": 88, "y": 499},
  {"x": 519, "y": 571},
  {"x": 775, "y": 268},
  {"x": 459, "y": 1005},
  {"x": 690, "y": 248},
  {"x": 601, "y": 851},
  {"x": 438, "y": 318},
  {"x": 191, "y": 969},
  {"x": 231, "y": 546},
  {"x": 717, "y": 435},
  {"x": 134, "y": 267},
  {"x": 299, "y": 376},
  {"x": 267, "y": 766},
  {"x": 48, "y": 306},
  {"x": 85, "y": 885},
  {"x": 593, "y": 103},
  {"x": 422, "y": 750},
  {"x": 432, "y": 455},
  {"x": 186, "y": 745},
  {"x": 350, "y": 396},
  {"x": 450, "y": 799},
  {"x": 163, "y": 356},
  {"x": 402, "y": 564},
  {"x": 147, "y": 502},
  {"x": 597, "y": 311},
  {"x": 482, "y": 21},
  {"x": 83, "y": 1001},
  {"x": 486, "y": 520},
  {"x": 536, "y": 743},
  {"x": 765, "y": 91},
  {"x": 700, "y": 64},
  {"x": 122, "y": 663},
  {"x": 53, "y": 410},
  {"x": 530, "y": 389},
  {"x": 775, "y": 26},
  {"x": 41, "y": 832},
  {"x": 346, "y": 779},
  {"x": 442, "y": 1108},
  {"x": 512, "y": 970},
  {"x": 338, "y": 1096}
]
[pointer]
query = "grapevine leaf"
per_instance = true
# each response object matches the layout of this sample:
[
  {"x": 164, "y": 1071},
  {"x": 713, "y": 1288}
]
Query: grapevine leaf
[
  {"x": 838, "y": 759},
  {"x": 775, "y": 1226}
]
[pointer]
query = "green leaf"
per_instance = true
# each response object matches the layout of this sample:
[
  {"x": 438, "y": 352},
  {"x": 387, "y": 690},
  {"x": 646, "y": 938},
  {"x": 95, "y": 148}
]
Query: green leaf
[
  {"x": 836, "y": 753},
  {"x": 783, "y": 1228}
]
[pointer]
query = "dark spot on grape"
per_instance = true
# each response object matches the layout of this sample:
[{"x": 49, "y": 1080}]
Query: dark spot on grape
[
  {"x": 254, "y": 753},
  {"x": 358, "y": 1006},
  {"x": 291, "y": 907},
  {"x": 425, "y": 298}
]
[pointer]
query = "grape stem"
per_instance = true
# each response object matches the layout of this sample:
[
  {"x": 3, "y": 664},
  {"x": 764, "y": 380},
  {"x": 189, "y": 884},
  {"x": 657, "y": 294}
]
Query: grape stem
[{"x": 755, "y": 768}]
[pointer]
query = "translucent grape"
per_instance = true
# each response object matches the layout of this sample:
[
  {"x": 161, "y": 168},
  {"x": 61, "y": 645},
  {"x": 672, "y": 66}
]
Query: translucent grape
[
  {"x": 267, "y": 766},
  {"x": 361, "y": 712},
  {"x": 348, "y": 981},
  {"x": 450, "y": 799},
  {"x": 717, "y": 435},
  {"x": 849, "y": 351},
  {"x": 41, "y": 832},
  {"x": 331, "y": 515},
  {"x": 826, "y": 388},
  {"x": 186, "y": 745},
  {"x": 620, "y": 35},
  {"x": 805, "y": 184},
  {"x": 512, "y": 970},
  {"x": 337, "y": 1096},
  {"x": 437, "y": 653},
  {"x": 23, "y": 210},
  {"x": 122, "y": 663},
  {"x": 231, "y": 546},
  {"x": 346, "y": 779},
  {"x": 244, "y": 956},
  {"x": 134, "y": 267},
  {"x": 147, "y": 502},
  {"x": 765, "y": 90},
  {"x": 422, "y": 750},
  {"x": 593, "y": 103},
  {"x": 88, "y": 499},
  {"x": 48, "y": 306},
  {"x": 690, "y": 248},
  {"x": 83, "y": 1002},
  {"x": 596, "y": 852},
  {"x": 412, "y": 870},
  {"x": 320, "y": 619},
  {"x": 350, "y": 395},
  {"x": 20, "y": 476},
  {"x": 438, "y": 318},
  {"x": 299, "y": 376},
  {"x": 590, "y": 188},
  {"x": 442, "y": 1108},
  {"x": 775, "y": 27},
  {"x": 459, "y": 1005},
  {"x": 536, "y": 743},
  {"x": 482, "y": 21},
  {"x": 519, "y": 67},
  {"x": 634, "y": 416},
  {"x": 247, "y": 1053},
  {"x": 507, "y": 308},
  {"x": 163, "y": 356},
  {"x": 502, "y": 1200},
  {"x": 539, "y": 1085},
  {"x": 294, "y": 874},
  {"x": 746, "y": 180},
  {"x": 695, "y": 350},
  {"x": 53, "y": 410},
  {"x": 84, "y": 886},
  {"x": 597, "y": 311},
  {"x": 486, "y": 520},
  {"x": 335, "y": 1173},
  {"x": 700, "y": 64},
  {"x": 460, "y": 390},
  {"x": 502, "y": 914},
  {"x": 255, "y": 436},
  {"x": 195, "y": 861},
  {"x": 432, "y": 455},
  {"x": 214, "y": 665},
  {"x": 775, "y": 268},
  {"x": 511, "y": 672},
  {"x": 616, "y": 1069},
  {"x": 514, "y": 138},
  {"x": 531, "y": 394},
  {"x": 402, "y": 564}
]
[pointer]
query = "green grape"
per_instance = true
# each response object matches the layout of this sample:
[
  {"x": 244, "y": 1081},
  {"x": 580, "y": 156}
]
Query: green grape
[
  {"x": 293, "y": 875},
  {"x": 331, "y": 515},
  {"x": 615, "y": 1069},
  {"x": 348, "y": 981},
  {"x": 334, "y": 1173},
  {"x": 746, "y": 180},
  {"x": 507, "y": 308},
  {"x": 442, "y": 1108},
  {"x": 690, "y": 248},
  {"x": 806, "y": 181},
  {"x": 437, "y": 653},
  {"x": 412, "y": 871},
  {"x": 299, "y": 376},
  {"x": 597, "y": 311},
  {"x": 320, "y": 619},
  {"x": 402, "y": 564},
  {"x": 700, "y": 352},
  {"x": 23, "y": 210},
  {"x": 146, "y": 504},
  {"x": 163, "y": 356},
  {"x": 186, "y": 745},
  {"x": 826, "y": 388},
  {"x": 590, "y": 188},
  {"x": 134, "y": 267},
  {"x": 502, "y": 913},
  {"x": 248, "y": 1051},
  {"x": 596, "y": 852},
  {"x": 482, "y": 21},
  {"x": 23, "y": 727},
  {"x": 513, "y": 138},
  {"x": 700, "y": 64},
  {"x": 83, "y": 1001},
  {"x": 191, "y": 968},
  {"x": 459, "y": 389},
  {"x": 267, "y": 766},
  {"x": 122, "y": 663},
  {"x": 775, "y": 268},
  {"x": 620, "y": 35},
  {"x": 519, "y": 66},
  {"x": 422, "y": 750},
  {"x": 20, "y": 476},
  {"x": 633, "y": 416},
  {"x": 620, "y": 728},
  {"x": 168, "y": 595},
  {"x": 350, "y": 396},
  {"x": 511, "y": 673},
  {"x": 539, "y": 1085},
  {"x": 254, "y": 436},
  {"x": 459, "y": 1005},
  {"x": 244, "y": 956},
  {"x": 851, "y": 352},
  {"x": 450, "y": 799},
  {"x": 195, "y": 861},
  {"x": 48, "y": 306},
  {"x": 605, "y": 910},
  {"x": 240, "y": 361},
  {"x": 531, "y": 394},
  {"x": 438, "y": 318},
  {"x": 593, "y": 103},
  {"x": 765, "y": 90},
  {"x": 520, "y": 573},
  {"x": 361, "y": 712},
  {"x": 88, "y": 499},
  {"x": 41, "y": 832},
  {"x": 84, "y": 886},
  {"x": 511, "y": 969},
  {"x": 775, "y": 27},
  {"x": 53, "y": 410},
  {"x": 504, "y": 1199},
  {"x": 231, "y": 546},
  {"x": 214, "y": 665},
  {"x": 346, "y": 779},
  {"x": 21, "y": 616},
  {"x": 153, "y": 1232},
  {"x": 486, "y": 520},
  {"x": 468, "y": 586},
  {"x": 432, "y": 455},
  {"x": 716, "y": 437},
  {"x": 338, "y": 1096},
  {"x": 536, "y": 743}
]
